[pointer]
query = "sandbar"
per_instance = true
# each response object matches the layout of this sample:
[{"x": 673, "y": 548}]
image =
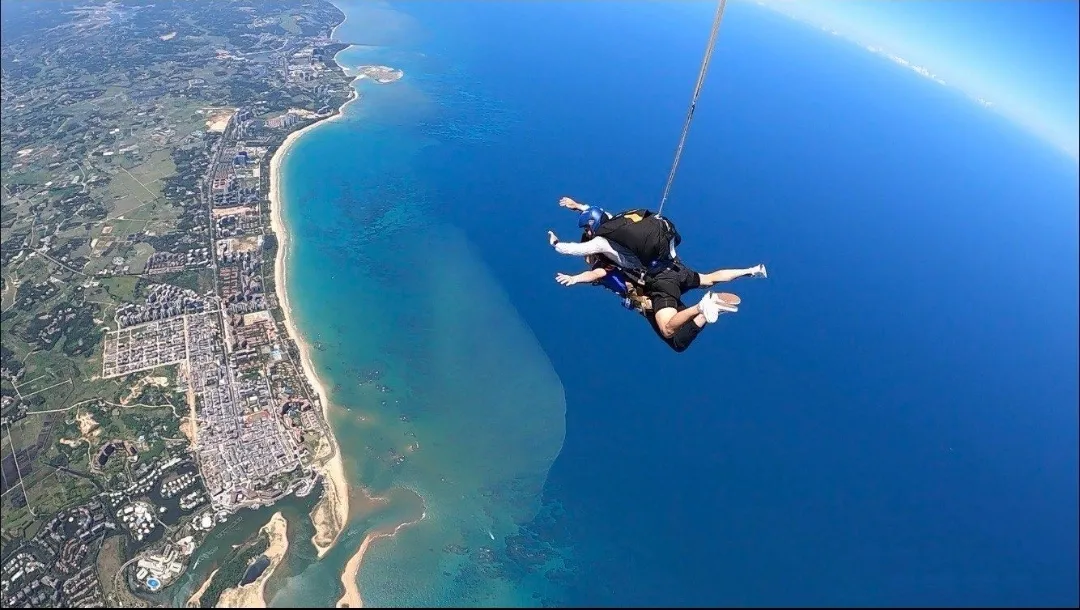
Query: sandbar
[
  {"x": 351, "y": 598},
  {"x": 196, "y": 598},
  {"x": 380, "y": 74},
  {"x": 251, "y": 594}
]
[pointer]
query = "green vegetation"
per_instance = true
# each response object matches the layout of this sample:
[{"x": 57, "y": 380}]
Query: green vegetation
[
  {"x": 59, "y": 490},
  {"x": 279, "y": 316},
  {"x": 109, "y": 560},
  {"x": 110, "y": 127},
  {"x": 122, "y": 288},
  {"x": 23, "y": 433},
  {"x": 42, "y": 489},
  {"x": 200, "y": 281},
  {"x": 288, "y": 23},
  {"x": 19, "y": 523},
  {"x": 311, "y": 442},
  {"x": 59, "y": 380},
  {"x": 16, "y": 521},
  {"x": 234, "y": 567},
  {"x": 147, "y": 428}
]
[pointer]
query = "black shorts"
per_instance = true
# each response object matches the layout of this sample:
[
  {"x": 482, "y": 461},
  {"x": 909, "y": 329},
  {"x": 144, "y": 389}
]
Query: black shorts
[
  {"x": 667, "y": 287},
  {"x": 683, "y": 336}
]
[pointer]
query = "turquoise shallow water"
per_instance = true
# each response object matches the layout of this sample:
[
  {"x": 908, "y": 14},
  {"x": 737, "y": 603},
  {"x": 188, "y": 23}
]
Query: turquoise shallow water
[{"x": 441, "y": 391}]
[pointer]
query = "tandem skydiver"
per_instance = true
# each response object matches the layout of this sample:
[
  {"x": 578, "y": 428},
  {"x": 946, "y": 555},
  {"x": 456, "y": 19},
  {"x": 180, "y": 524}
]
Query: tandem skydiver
[
  {"x": 592, "y": 244},
  {"x": 682, "y": 323},
  {"x": 660, "y": 282}
]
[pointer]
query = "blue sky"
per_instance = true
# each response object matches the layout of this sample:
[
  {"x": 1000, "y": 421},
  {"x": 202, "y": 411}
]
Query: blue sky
[{"x": 1018, "y": 57}]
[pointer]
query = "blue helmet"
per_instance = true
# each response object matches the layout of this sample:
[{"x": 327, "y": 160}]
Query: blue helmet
[{"x": 591, "y": 218}]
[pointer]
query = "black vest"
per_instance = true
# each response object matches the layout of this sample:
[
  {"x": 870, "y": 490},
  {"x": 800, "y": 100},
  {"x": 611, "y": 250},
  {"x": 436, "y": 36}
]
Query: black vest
[{"x": 645, "y": 234}]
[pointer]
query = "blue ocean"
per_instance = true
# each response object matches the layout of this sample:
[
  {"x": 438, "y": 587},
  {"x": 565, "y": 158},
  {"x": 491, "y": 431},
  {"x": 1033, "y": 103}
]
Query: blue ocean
[{"x": 890, "y": 419}]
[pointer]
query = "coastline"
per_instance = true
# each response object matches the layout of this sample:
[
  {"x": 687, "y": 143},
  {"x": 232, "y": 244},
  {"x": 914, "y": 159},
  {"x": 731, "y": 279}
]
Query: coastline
[
  {"x": 252, "y": 595},
  {"x": 333, "y": 30},
  {"x": 331, "y": 512},
  {"x": 196, "y": 598},
  {"x": 351, "y": 598}
]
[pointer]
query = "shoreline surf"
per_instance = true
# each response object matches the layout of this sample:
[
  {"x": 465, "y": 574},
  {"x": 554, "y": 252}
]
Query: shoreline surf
[
  {"x": 331, "y": 512},
  {"x": 351, "y": 598}
]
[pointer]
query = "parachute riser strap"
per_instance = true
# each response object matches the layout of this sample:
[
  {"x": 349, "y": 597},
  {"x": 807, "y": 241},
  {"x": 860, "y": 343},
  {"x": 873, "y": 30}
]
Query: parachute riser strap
[{"x": 693, "y": 101}]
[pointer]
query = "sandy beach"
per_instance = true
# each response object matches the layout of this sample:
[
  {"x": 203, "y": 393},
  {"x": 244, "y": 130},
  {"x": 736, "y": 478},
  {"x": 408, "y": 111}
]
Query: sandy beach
[
  {"x": 351, "y": 598},
  {"x": 251, "y": 594},
  {"x": 331, "y": 512},
  {"x": 195, "y": 599}
]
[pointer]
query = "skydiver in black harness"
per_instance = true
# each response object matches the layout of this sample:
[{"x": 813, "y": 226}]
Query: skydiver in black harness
[{"x": 655, "y": 286}]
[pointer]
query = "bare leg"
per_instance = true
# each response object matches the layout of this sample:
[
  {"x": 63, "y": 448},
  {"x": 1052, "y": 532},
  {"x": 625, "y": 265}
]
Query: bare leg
[
  {"x": 726, "y": 275},
  {"x": 669, "y": 320}
]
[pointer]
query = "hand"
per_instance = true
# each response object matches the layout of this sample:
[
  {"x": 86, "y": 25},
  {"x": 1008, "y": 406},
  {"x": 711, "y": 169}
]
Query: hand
[
  {"x": 567, "y": 202},
  {"x": 552, "y": 239},
  {"x": 565, "y": 280}
]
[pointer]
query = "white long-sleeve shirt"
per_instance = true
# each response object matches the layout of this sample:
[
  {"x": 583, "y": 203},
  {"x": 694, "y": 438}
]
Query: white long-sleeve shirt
[{"x": 599, "y": 245}]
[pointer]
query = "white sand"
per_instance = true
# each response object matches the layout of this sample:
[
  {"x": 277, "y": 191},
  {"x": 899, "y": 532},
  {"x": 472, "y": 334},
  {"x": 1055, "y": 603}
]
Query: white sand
[
  {"x": 351, "y": 598},
  {"x": 253, "y": 594},
  {"x": 330, "y": 515}
]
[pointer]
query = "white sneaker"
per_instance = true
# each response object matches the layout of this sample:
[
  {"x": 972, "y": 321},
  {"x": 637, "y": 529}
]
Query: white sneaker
[
  {"x": 761, "y": 271},
  {"x": 730, "y": 304},
  {"x": 710, "y": 307}
]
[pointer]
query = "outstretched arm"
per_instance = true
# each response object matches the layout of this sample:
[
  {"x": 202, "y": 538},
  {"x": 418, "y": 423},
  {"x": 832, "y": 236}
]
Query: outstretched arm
[
  {"x": 581, "y": 248},
  {"x": 585, "y": 277},
  {"x": 570, "y": 204}
]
